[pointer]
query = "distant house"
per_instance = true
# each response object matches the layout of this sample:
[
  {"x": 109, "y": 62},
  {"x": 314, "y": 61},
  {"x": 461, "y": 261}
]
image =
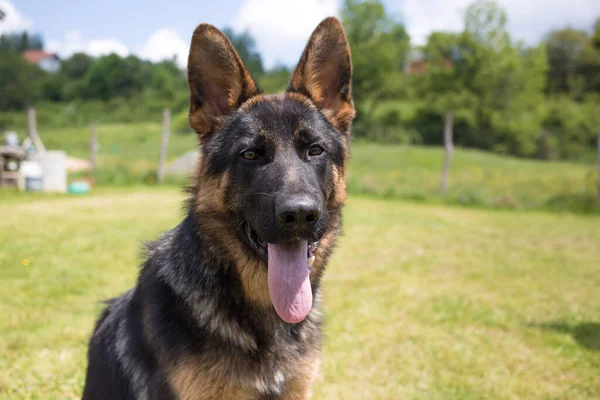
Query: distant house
[{"x": 49, "y": 62}]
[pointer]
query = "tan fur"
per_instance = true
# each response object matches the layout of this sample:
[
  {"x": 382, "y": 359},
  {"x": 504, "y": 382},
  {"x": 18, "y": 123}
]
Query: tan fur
[
  {"x": 211, "y": 204},
  {"x": 209, "y": 195},
  {"x": 300, "y": 386},
  {"x": 300, "y": 98},
  {"x": 255, "y": 282},
  {"x": 338, "y": 195},
  {"x": 249, "y": 104},
  {"x": 325, "y": 245},
  {"x": 194, "y": 379},
  {"x": 191, "y": 381}
]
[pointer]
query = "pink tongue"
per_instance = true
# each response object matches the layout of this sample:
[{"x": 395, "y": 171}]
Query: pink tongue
[{"x": 289, "y": 283}]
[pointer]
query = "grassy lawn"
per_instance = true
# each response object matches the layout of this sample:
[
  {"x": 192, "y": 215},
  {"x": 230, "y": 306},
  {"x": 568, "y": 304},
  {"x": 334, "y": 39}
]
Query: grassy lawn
[
  {"x": 422, "y": 301},
  {"x": 130, "y": 149}
]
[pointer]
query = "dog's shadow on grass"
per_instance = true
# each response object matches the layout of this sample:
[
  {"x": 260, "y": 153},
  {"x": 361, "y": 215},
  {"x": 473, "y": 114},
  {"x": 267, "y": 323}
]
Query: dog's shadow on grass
[{"x": 586, "y": 334}]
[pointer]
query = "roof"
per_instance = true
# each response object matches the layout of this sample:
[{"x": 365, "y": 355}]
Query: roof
[{"x": 37, "y": 56}]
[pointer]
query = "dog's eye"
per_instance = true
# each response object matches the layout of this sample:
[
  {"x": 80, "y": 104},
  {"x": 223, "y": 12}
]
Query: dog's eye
[
  {"x": 249, "y": 155},
  {"x": 315, "y": 150}
]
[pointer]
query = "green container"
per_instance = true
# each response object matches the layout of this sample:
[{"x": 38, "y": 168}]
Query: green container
[{"x": 79, "y": 187}]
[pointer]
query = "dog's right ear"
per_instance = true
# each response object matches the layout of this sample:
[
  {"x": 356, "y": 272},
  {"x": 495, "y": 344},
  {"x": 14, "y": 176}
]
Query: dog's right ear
[{"x": 219, "y": 82}]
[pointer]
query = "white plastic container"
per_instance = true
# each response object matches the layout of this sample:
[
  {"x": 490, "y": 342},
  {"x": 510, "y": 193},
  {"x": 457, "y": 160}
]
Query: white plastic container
[
  {"x": 54, "y": 170},
  {"x": 33, "y": 176}
]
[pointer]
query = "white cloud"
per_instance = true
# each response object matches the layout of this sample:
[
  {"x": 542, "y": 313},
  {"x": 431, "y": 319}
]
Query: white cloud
[
  {"x": 74, "y": 42},
  {"x": 528, "y": 20},
  {"x": 13, "y": 21},
  {"x": 282, "y": 27},
  {"x": 164, "y": 44}
]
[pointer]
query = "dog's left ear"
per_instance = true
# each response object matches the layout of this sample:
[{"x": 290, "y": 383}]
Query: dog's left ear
[{"x": 324, "y": 74}]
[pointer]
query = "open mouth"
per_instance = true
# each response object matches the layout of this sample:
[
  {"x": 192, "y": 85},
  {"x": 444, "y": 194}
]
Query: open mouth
[
  {"x": 289, "y": 265},
  {"x": 263, "y": 249}
]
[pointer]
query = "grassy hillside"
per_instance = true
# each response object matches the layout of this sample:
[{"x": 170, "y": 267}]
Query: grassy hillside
[
  {"x": 129, "y": 153},
  {"x": 476, "y": 178},
  {"x": 422, "y": 301}
]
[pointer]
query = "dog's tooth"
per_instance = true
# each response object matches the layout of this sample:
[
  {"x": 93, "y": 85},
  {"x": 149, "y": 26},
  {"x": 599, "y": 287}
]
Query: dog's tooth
[{"x": 311, "y": 261}]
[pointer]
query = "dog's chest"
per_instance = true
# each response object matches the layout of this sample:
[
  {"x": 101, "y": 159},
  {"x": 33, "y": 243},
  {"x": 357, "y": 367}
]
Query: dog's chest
[{"x": 272, "y": 379}]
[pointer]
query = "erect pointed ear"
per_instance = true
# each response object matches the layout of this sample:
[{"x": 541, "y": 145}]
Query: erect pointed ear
[
  {"x": 324, "y": 74},
  {"x": 219, "y": 82}
]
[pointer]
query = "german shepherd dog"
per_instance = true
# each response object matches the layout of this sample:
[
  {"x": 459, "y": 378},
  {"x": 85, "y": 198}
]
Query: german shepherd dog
[{"x": 227, "y": 304}]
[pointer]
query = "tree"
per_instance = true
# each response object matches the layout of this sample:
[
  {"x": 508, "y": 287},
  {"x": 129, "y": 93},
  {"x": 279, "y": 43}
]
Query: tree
[
  {"x": 19, "y": 83},
  {"x": 482, "y": 82},
  {"x": 507, "y": 80},
  {"x": 444, "y": 88},
  {"x": 112, "y": 76},
  {"x": 380, "y": 46},
  {"x": 276, "y": 79},
  {"x": 565, "y": 48},
  {"x": 574, "y": 58},
  {"x": 167, "y": 80},
  {"x": 77, "y": 66},
  {"x": 245, "y": 45},
  {"x": 19, "y": 42}
]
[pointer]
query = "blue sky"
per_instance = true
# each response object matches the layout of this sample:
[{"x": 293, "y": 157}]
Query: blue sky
[{"x": 158, "y": 28}]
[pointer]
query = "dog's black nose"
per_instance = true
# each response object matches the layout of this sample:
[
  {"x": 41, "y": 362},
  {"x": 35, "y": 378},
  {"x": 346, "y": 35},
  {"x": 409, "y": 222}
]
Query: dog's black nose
[{"x": 298, "y": 212}]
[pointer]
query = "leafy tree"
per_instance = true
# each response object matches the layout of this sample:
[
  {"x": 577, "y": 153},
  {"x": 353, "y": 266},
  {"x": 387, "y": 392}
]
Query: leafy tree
[
  {"x": 167, "y": 80},
  {"x": 596, "y": 35},
  {"x": 571, "y": 128},
  {"x": 77, "y": 66},
  {"x": 492, "y": 87},
  {"x": 380, "y": 46},
  {"x": 112, "y": 76},
  {"x": 507, "y": 80},
  {"x": 574, "y": 58},
  {"x": 276, "y": 79},
  {"x": 52, "y": 86},
  {"x": 19, "y": 42},
  {"x": 446, "y": 85},
  {"x": 444, "y": 89},
  {"x": 19, "y": 83},
  {"x": 245, "y": 45},
  {"x": 566, "y": 49}
]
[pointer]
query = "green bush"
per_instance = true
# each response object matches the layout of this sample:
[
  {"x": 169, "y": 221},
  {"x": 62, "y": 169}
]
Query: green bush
[{"x": 180, "y": 122}]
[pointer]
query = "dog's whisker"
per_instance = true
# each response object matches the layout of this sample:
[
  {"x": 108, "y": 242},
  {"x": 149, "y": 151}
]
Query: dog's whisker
[{"x": 264, "y": 194}]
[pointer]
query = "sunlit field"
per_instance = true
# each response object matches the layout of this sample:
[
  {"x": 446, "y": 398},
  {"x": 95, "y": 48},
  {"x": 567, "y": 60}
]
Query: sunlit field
[{"x": 422, "y": 301}]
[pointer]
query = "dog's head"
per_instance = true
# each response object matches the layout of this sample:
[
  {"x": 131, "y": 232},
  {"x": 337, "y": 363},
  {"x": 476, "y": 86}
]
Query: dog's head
[{"x": 274, "y": 166}]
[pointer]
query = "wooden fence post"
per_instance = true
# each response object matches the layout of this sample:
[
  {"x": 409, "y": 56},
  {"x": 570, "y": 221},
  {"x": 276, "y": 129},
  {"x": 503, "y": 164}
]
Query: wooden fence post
[
  {"x": 93, "y": 145},
  {"x": 164, "y": 143},
  {"x": 448, "y": 149},
  {"x": 33, "y": 134}
]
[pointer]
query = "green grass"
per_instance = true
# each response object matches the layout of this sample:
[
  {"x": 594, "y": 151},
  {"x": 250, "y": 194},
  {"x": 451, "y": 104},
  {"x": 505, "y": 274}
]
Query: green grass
[
  {"x": 129, "y": 155},
  {"x": 422, "y": 301},
  {"x": 476, "y": 178},
  {"x": 134, "y": 145}
]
